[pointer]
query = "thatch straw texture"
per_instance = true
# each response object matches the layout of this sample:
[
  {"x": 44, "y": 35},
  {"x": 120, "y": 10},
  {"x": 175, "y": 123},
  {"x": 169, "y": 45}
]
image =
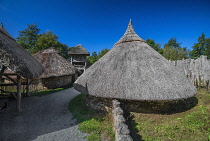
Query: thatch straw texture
[
  {"x": 16, "y": 58},
  {"x": 79, "y": 49},
  {"x": 132, "y": 70},
  {"x": 54, "y": 64}
]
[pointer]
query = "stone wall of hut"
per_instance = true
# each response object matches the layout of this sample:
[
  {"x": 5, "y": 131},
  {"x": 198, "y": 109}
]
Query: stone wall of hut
[
  {"x": 158, "y": 107},
  {"x": 196, "y": 70},
  {"x": 57, "y": 82},
  {"x": 36, "y": 85}
]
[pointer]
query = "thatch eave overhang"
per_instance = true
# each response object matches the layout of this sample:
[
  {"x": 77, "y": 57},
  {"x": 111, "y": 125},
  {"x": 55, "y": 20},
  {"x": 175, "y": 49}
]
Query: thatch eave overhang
[
  {"x": 16, "y": 58},
  {"x": 54, "y": 64},
  {"x": 132, "y": 70},
  {"x": 78, "y": 50}
]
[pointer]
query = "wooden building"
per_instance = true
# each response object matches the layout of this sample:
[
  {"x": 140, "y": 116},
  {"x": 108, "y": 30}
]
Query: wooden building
[
  {"x": 58, "y": 71},
  {"x": 132, "y": 71},
  {"x": 78, "y": 57},
  {"x": 14, "y": 57}
]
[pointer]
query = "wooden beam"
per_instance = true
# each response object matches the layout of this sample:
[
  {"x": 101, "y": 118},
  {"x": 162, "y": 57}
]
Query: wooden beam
[
  {"x": 8, "y": 77},
  {"x": 12, "y": 74},
  {"x": 12, "y": 84},
  {"x": 1, "y": 72},
  {"x": 27, "y": 87},
  {"x": 18, "y": 93}
]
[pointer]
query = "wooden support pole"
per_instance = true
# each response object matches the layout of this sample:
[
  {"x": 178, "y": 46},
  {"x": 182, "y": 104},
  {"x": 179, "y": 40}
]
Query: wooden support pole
[
  {"x": 18, "y": 93},
  {"x": 1, "y": 72},
  {"x": 27, "y": 87}
]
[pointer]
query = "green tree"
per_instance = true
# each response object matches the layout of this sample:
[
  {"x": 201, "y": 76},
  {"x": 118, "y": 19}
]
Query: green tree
[
  {"x": 70, "y": 48},
  {"x": 62, "y": 49},
  {"x": 199, "y": 48},
  {"x": 173, "y": 51},
  {"x": 92, "y": 59},
  {"x": 154, "y": 45},
  {"x": 102, "y": 53},
  {"x": 173, "y": 43},
  {"x": 49, "y": 39},
  {"x": 207, "y": 48},
  {"x": 46, "y": 40},
  {"x": 28, "y": 37}
]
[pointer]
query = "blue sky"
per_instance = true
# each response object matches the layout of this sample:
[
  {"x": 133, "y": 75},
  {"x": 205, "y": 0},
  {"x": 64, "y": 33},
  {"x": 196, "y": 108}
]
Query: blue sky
[{"x": 99, "y": 24}]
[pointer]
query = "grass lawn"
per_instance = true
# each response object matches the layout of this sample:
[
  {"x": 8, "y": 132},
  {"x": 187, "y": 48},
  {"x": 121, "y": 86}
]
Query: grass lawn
[
  {"x": 97, "y": 124},
  {"x": 46, "y": 92},
  {"x": 191, "y": 125}
]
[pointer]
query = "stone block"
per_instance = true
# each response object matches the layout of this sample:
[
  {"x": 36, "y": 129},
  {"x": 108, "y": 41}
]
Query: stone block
[
  {"x": 124, "y": 138},
  {"x": 117, "y": 111}
]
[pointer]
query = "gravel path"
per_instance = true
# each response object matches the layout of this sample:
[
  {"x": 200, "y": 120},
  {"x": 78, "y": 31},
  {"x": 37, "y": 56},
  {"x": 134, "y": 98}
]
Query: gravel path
[{"x": 44, "y": 118}]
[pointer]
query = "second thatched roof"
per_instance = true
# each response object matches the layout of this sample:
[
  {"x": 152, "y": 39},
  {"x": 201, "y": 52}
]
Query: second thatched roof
[
  {"x": 54, "y": 64},
  {"x": 78, "y": 50},
  {"x": 132, "y": 70},
  {"x": 16, "y": 58}
]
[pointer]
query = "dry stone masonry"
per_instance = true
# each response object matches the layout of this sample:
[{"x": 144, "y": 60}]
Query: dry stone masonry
[{"x": 121, "y": 129}]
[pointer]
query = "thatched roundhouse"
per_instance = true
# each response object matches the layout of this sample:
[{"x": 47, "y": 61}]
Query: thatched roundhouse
[
  {"x": 58, "y": 71},
  {"x": 14, "y": 57},
  {"x": 78, "y": 57},
  {"x": 132, "y": 70}
]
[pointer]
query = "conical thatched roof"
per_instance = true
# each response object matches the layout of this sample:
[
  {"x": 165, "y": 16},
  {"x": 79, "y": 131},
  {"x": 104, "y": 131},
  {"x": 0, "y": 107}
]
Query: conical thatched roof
[
  {"x": 133, "y": 70},
  {"x": 16, "y": 58},
  {"x": 54, "y": 64},
  {"x": 79, "y": 49}
]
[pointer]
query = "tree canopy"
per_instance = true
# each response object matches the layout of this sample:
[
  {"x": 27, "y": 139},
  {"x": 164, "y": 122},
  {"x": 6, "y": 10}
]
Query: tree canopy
[
  {"x": 33, "y": 42},
  {"x": 155, "y": 46},
  {"x": 27, "y": 38},
  {"x": 95, "y": 57},
  {"x": 201, "y": 48},
  {"x": 173, "y": 51}
]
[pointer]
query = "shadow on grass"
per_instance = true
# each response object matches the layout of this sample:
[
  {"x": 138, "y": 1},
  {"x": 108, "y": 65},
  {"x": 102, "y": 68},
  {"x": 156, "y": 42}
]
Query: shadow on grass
[
  {"x": 96, "y": 123},
  {"x": 81, "y": 112},
  {"x": 49, "y": 91},
  {"x": 160, "y": 107},
  {"x": 132, "y": 126}
]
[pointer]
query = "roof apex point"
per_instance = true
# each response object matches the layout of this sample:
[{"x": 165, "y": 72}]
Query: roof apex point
[
  {"x": 130, "y": 22},
  {"x": 129, "y": 35}
]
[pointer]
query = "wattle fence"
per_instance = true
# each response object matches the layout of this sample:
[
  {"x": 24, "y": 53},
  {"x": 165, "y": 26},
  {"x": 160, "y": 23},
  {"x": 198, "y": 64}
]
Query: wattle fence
[{"x": 196, "y": 70}]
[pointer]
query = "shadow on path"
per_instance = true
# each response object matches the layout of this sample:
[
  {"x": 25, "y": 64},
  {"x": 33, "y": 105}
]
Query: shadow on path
[{"x": 42, "y": 118}]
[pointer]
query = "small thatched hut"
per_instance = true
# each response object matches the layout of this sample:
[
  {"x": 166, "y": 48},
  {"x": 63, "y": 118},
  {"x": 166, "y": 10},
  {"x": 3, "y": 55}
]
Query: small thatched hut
[
  {"x": 58, "y": 71},
  {"x": 78, "y": 57},
  {"x": 17, "y": 59},
  {"x": 132, "y": 70}
]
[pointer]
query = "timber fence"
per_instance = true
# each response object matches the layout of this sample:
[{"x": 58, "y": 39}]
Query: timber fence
[{"x": 196, "y": 70}]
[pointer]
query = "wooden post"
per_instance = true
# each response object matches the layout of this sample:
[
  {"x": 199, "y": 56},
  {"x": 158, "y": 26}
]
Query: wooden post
[
  {"x": 71, "y": 59},
  {"x": 85, "y": 67},
  {"x": 1, "y": 72},
  {"x": 18, "y": 93},
  {"x": 27, "y": 87}
]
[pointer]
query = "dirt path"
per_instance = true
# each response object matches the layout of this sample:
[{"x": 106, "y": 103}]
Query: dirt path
[{"x": 44, "y": 118}]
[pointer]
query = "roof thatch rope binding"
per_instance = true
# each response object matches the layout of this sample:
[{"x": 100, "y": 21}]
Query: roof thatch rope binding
[
  {"x": 54, "y": 64},
  {"x": 130, "y": 35},
  {"x": 79, "y": 49},
  {"x": 133, "y": 70},
  {"x": 16, "y": 58}
]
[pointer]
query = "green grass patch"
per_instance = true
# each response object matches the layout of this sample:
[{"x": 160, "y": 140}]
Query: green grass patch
[
  {"x": 97, "y": 124},
  {"x": 46, "y": 92},
  {"x": 193, "y": 124}
]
